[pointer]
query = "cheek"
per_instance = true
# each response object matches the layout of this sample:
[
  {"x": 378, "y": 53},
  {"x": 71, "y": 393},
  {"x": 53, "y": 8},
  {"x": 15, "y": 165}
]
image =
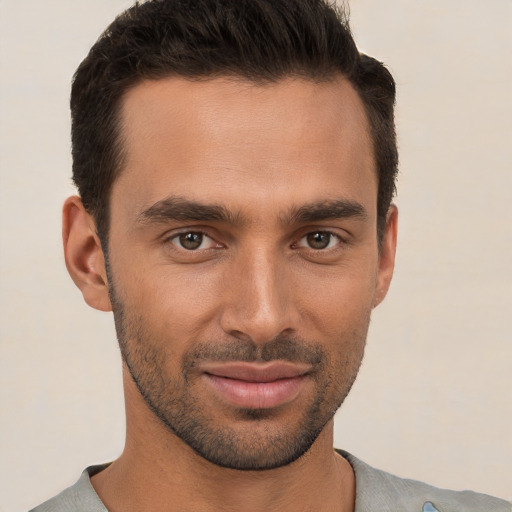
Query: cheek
[
  {"x": 175, "y": 302},
  {"x": 338, "y": 300}
]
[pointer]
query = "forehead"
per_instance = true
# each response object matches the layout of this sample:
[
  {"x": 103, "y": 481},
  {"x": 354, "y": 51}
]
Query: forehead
[{"x": 289, "y": 142}]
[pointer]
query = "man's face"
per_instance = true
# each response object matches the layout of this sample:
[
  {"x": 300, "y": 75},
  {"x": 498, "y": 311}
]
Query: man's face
[{"x": 243, "y": 259}]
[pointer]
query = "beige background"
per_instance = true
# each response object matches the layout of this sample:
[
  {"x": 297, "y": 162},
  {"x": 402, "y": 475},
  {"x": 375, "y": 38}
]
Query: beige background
[{"x": 433, "y": 400}]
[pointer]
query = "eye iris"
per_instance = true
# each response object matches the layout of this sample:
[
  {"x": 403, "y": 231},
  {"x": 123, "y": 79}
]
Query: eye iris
[
  {"x": 191, "y": 241},
  {"x": 319, "y": 240}
]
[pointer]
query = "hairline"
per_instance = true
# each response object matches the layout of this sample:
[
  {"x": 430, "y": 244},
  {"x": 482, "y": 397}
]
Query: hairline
[{"x": 103, "y": 223}]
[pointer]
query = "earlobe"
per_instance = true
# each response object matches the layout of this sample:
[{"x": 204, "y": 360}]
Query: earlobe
[
  {"x": 386, "y": 256},
  {"x": 83, "y": 254}
]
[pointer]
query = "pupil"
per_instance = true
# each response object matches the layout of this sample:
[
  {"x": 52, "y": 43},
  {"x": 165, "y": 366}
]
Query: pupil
[
  {"x": 319, "y": 240},
  {"x": 191, "y": 241}
]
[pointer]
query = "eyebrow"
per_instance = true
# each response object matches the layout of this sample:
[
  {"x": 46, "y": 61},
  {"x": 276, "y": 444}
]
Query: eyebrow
[
  {"x": 180, "y": 209},
  {"x": 326, "y": 210}
]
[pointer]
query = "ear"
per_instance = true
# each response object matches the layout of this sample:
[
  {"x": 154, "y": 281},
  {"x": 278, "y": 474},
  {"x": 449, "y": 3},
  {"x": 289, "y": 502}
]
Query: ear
[
  {"x": 83, "y": 254},
  {"x": 386, "y": 256}
]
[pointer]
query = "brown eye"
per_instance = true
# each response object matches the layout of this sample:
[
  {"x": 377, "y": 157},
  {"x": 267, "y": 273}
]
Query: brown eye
[
  {"x": 190, "y": 241},
  {"x": 319, "y": 239},
  {"x": 195, "y": 242}
]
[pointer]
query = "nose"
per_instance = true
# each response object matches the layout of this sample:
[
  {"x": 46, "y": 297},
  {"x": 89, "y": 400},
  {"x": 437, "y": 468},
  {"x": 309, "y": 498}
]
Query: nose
[{"x": 258, "y": 298}]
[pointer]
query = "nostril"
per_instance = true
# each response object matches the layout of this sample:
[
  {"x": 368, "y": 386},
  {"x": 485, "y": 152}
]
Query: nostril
[{"x": 239, "y": 335}]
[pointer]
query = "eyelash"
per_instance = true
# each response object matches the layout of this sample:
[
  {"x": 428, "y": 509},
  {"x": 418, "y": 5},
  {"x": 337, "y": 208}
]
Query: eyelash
[
  {"x": 176, "y": 236},
  {"x": 332, "y": 236}
]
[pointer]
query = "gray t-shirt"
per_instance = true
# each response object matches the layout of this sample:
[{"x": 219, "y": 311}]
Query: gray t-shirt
[{"x": 376, "y": 491}]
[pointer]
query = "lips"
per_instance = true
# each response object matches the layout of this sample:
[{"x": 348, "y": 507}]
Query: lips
[{"x": 256, "y": 385}]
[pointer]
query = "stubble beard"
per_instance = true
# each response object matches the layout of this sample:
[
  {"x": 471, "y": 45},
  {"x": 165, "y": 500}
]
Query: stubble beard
[{"x": 252, "y": 442}]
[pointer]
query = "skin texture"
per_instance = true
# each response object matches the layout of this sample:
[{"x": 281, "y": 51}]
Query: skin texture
[{"x": 281, "y": 265}]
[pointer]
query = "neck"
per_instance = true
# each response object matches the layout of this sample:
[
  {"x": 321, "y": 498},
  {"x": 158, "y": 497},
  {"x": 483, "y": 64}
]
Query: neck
[{"x": 157, "y": 471}]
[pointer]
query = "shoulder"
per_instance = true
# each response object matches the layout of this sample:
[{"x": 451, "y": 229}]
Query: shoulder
[
  {"x": 80, "y": 497},
  {"x": 379, "y": 491}
]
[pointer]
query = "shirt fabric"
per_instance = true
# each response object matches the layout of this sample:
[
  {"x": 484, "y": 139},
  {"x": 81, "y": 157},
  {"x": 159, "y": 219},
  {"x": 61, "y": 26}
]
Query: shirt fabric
[{"x": 376, "y": 491}]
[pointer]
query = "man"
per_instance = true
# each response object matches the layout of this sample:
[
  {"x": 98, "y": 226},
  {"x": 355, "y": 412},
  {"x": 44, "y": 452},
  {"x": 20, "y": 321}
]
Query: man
[{"x": 236, "y": 161}]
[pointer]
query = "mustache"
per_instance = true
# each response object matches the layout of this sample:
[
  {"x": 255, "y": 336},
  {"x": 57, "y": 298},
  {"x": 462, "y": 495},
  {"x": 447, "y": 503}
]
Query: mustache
[{"x": 287, "y": 348}]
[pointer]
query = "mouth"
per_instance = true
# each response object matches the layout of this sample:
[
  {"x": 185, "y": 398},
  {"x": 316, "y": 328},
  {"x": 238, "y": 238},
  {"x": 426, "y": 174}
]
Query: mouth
[{"x": 256, "y": 385}]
